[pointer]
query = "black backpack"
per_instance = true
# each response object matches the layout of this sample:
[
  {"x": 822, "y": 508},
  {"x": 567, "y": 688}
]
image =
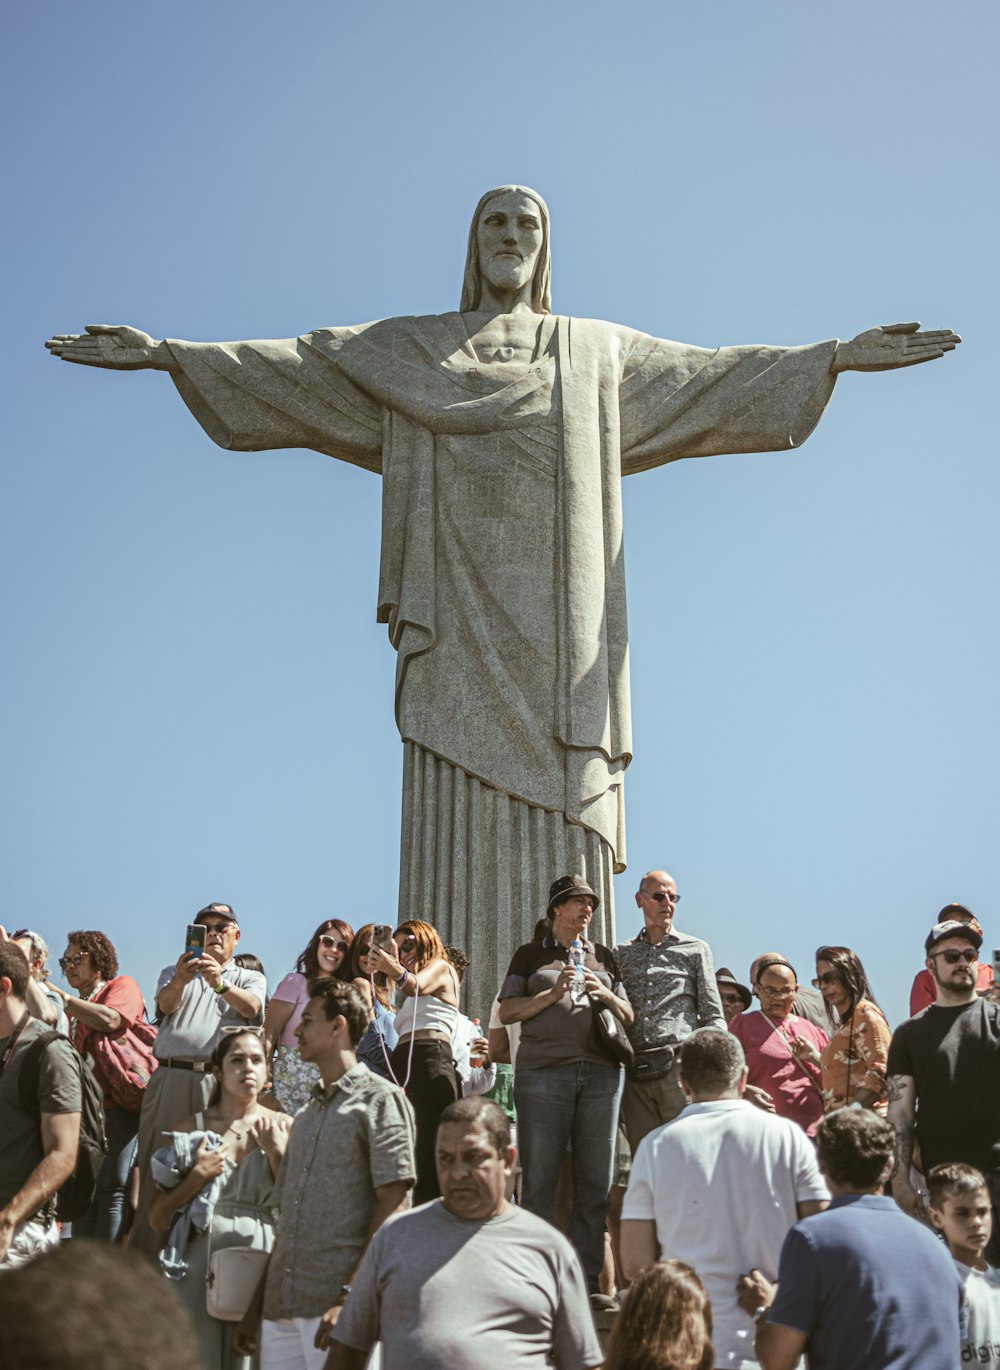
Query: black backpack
[{"x": 76, "y": 1194}]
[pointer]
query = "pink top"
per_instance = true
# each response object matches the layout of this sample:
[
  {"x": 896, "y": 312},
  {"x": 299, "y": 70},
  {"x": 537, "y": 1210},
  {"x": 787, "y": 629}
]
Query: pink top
[
  {"x": 294, "y": 989},
  {"x": 794, "y": 1087}
]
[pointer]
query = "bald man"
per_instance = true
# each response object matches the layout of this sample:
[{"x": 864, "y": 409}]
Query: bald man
[{"x": 670, "y": 981}]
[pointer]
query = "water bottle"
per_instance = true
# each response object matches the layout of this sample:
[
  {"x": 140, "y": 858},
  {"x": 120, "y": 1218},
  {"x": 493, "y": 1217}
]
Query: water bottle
[
  {"x": 476, "y": 1058},
  {"x": 577, "y": 992}
]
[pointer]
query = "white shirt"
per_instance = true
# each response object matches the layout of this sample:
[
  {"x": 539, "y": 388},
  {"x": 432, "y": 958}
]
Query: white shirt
[
  {"x": 980, "y": 1315},
  {"x": 721, "y": 1183}
]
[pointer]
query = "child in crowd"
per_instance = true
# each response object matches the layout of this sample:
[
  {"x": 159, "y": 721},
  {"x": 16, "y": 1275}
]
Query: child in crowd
[{"x": 961, "y": 1211}]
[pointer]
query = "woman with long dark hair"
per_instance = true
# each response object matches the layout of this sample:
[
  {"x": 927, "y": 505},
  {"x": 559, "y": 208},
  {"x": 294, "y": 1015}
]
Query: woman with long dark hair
[
  {"x": 327, "y": 954},
  {"x": 853, "y": 1063},
  {"x": 100, "y": 1002},
  {"x": 665, "y": 1322},
  {"x": 422, "y": 1061},
  {"x": 253, "y": 1142},
  {"x": 376, "y": 1046}
]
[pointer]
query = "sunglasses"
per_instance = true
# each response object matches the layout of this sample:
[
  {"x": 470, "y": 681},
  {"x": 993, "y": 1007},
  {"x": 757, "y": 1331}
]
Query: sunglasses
[
  {"x": 331, "y": 943},
  {"x": 65, "y": 962},
  {"x": 232, "y": 1030},
  {"x": 25, "y": 932},
  {"x": 661, "y": 896},
  {"x": 217, "y": 927},
  {"x": 366, "y": 950},
  {"x": 408, "y": 941},
  {"x": 829, "y": 977},
  {"x": 953, "y": 957}
]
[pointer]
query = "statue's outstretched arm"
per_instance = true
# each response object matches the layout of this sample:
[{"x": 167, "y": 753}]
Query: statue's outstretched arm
[
  {"x": 896, "y": 344},
  {"x": 115, "y": 346}
]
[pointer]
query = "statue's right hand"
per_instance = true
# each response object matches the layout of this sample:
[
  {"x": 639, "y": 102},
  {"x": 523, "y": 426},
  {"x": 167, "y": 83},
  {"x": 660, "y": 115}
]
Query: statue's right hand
[{"x": 110, "y": 345}]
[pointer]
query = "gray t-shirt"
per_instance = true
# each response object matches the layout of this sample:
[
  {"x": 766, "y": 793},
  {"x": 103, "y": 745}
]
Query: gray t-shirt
[
  {"x": 192, "y": 1030},
  {"x": 58, "y": 1092},
  {"x": 443, "y": 1293}
]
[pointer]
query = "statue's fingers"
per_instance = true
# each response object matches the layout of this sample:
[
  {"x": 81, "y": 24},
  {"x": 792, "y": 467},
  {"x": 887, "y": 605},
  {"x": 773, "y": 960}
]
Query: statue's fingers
[
  {"x": 104, "y": 327},
  {"x": 938, "y": 335},
  {"x": 929, "y": 354},
  {"x": 900, "y": 327}
]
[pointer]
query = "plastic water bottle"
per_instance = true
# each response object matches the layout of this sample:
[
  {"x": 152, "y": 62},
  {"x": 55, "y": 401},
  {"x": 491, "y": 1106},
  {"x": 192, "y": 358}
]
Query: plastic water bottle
[
  {"x": 577, "y": 990},
  {"x": 476, "y": 1057}
]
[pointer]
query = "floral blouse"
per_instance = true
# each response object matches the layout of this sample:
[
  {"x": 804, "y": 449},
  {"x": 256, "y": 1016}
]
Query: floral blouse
[{"x": 855, "y": 1058}]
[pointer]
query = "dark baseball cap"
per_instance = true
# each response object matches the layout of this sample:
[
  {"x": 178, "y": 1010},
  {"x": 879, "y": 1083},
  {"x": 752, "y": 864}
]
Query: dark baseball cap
[
  {"x": 218, "y": 911},
  {"x": 951, "y": 927}
]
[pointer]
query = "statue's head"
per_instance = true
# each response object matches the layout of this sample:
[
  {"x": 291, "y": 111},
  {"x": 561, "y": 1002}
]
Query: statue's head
[{"x": 472, "y": 285}]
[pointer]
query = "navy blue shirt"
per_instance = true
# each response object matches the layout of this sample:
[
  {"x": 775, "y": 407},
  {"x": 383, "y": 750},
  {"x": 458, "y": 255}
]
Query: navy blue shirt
[{"x": 871, "y": 1288}]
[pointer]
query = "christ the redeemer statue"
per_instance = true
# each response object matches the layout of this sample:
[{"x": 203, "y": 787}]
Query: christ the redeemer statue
[{"x": 501, "y": 433}]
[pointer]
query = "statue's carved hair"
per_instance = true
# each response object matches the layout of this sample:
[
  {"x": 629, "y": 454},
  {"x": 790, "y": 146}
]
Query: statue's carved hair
[{"x": 472, "y": 284}]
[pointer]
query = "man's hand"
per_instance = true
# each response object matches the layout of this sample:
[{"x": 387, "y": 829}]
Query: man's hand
[
  {"x": 327, "y": 1323},
  {"x": 113, "y": 346},
  {"x": 753, "y": 1292},
  {"x": 759, "y": 1098},
  {"x": 892, "y": 346},
  {"x": 243, "y": 1337},
  {"x": 7, "y": 1227},
  {"x": 210, "y": 969}
]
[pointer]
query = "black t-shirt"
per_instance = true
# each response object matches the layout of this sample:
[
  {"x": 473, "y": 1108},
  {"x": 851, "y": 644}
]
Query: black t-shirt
[{"x": 953, "y": 1055}]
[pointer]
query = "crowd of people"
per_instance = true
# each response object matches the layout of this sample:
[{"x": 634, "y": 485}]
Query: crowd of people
[{"x": 349, "y": 1168}]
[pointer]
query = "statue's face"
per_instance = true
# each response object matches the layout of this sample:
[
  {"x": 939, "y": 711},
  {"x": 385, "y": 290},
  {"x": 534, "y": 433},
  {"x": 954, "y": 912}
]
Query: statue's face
[{"x": 509, "y": 235}]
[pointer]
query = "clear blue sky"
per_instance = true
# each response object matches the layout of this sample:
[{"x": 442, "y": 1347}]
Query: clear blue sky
[{"x": 196, "y": 697}]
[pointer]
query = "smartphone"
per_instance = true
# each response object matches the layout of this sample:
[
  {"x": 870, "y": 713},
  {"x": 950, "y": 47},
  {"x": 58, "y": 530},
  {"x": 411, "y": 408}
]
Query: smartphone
[
  {"x": 382, "y": 937},
  {"x": 194, "y": 939}
]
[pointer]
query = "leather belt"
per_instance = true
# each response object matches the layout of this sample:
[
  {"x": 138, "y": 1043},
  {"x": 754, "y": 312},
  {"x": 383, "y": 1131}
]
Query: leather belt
[{"x": 176, "y": 1063}]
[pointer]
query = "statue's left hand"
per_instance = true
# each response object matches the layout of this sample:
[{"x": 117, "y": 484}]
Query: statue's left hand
[{"x": 896, "y": 344}]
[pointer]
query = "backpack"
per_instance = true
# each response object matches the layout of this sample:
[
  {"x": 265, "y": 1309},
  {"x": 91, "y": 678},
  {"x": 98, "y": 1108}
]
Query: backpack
[{"x": 76, "y": 1194}]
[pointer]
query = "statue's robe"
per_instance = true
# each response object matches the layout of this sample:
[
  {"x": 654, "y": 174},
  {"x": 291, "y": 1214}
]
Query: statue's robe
[{"x": 502, "y": 577}]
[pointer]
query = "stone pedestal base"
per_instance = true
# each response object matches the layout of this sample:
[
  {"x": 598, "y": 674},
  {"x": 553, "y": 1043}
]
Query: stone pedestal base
[{"x": 477, "y": 864}]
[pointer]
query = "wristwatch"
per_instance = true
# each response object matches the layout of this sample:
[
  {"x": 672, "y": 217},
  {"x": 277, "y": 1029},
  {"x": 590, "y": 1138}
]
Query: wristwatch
[{"x": 221, "y": 987}]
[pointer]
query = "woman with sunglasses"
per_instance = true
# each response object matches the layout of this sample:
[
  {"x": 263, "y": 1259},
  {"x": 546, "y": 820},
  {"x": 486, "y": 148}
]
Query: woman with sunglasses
[
  {"x": 376, "y": 1046},
  {"x": 327, "y": 954},
  {"x": 853, "y": 1062},
  {"x": 99, "y": 1001},
  {"x": 422, "y": 1061},
  {"x": 253, "y": 1141}
]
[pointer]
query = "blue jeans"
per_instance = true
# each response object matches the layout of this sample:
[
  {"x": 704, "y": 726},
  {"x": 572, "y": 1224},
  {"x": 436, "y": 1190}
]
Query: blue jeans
[
  {"x": 107, "y": 1218},
  {"x": 556, "y": 1105}
]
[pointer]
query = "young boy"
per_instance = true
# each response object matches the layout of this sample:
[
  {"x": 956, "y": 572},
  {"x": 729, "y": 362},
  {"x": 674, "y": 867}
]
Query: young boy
[{"x": 960, "y": 1210}]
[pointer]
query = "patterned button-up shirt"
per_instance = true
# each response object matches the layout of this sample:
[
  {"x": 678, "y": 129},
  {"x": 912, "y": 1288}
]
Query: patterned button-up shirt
[
  {"x": 670, "y": 986},
  {"x": 347, "y": 1142}
]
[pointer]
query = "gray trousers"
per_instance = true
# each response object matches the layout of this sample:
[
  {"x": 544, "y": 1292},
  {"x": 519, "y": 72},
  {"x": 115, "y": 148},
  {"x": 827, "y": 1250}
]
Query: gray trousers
[{"x": 650, "y": 1104}]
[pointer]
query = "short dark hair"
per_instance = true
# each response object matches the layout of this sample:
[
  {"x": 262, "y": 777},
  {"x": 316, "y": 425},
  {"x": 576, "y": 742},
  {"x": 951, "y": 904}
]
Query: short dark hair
[
  {"x": 99, "y": 949},
  {"x": 247, "y": 961},
  {"x": 340, "y": 999},
  {"x": 855, "y": 1146},
  {"x": 711, "y": 1061},
  {"x": 947, "y": 1181},
  {"x": 478, "y": 1111},
  {"x": 458, "y": 960},
  {"x": 14, "y": 965},
  {"x": 86, "y": 1304}
]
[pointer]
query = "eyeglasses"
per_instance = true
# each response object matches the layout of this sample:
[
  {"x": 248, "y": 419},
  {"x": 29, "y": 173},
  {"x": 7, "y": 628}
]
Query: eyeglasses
[
  {"x": 663, "y": 896},
  {"x": 775, "y": 993},
  {"x": 331, "y": 943},
  {"x": 217, "y": 927},
  {"x": 65, "y": 962},
  {"x": 953, "y": 957},
  {"x": 829, "y": 977}
]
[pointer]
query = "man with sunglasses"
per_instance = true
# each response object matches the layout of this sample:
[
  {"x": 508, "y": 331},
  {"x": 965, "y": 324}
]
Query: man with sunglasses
[
  {"x": 669, "y": 978},
  {"x": 196, "y": 998},
  {"x": 942, "y": 1074}
]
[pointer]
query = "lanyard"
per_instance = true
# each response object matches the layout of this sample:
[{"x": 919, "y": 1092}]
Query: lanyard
[{"x": 12, "y": 1043}]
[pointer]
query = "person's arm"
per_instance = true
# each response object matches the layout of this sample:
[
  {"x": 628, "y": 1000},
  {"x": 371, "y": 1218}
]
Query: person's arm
[
  {"x": 499, "y": 1042},
  {"x": 639, "y": 1246},
  {"x": 707, "y": 997},
  {"x": 97, "y": 1016},
  {"x": 518, "y": 1008},
  {"x": 389, "y": 1199},
  {"x": 776, "y": 1347},
  {"x": 60, "y": 1140},
  {"x": 168, "y": 996},
  {"x": 923, "y": 992},
  {"x": 600, "y": 993},
  {"x": 208, "y": 1164},
  {"x": 276, "y": 1015},
  {"x": 117, "y": 347},
  {"x": 903, "y": 1116},
  {"x": 246, "y": 1003},
  {"x": 891, "y": 346},
  {"x": 805, "y": 1208},
  {"x": 871, "y": 1041}
]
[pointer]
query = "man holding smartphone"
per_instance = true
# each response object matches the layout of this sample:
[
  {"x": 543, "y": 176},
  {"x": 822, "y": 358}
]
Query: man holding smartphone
[{"x": 196, "y": 997}]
